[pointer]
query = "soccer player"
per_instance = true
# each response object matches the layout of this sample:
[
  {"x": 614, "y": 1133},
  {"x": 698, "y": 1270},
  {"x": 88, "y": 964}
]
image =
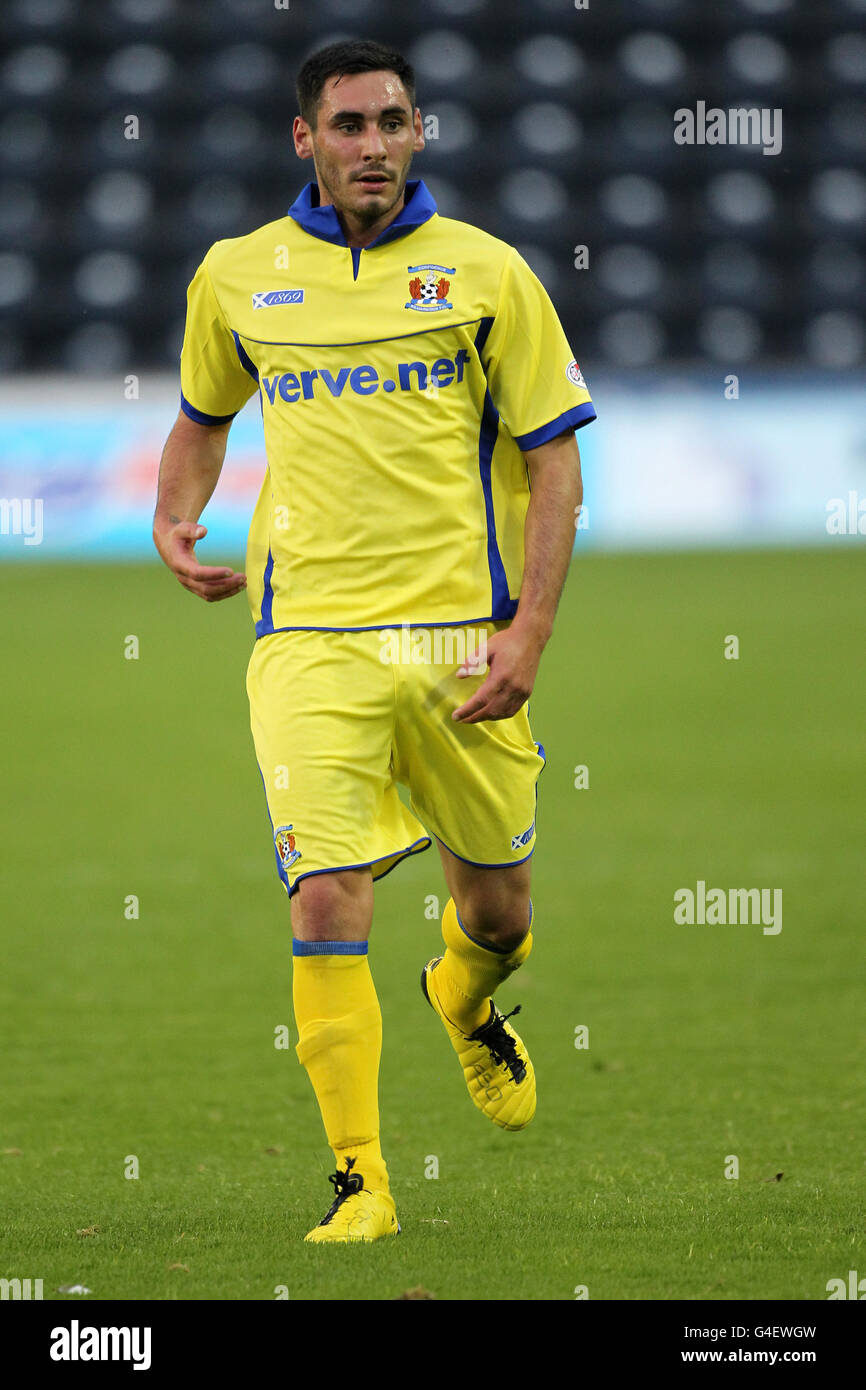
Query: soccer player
[{"x": 404, "y": 564}]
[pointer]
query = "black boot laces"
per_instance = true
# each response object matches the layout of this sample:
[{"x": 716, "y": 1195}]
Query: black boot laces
[
  {"x": 345, "y": 1185},
  {"x": 501, "y": 1044}
]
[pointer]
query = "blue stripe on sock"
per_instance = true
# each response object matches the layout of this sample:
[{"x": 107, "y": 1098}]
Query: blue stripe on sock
[{"x": 329, "y": 948}]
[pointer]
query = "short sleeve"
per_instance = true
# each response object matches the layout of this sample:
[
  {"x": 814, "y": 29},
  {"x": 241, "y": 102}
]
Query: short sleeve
[
  {"x": 214, "y": 383},
  {"x": 534, "y": 381}
]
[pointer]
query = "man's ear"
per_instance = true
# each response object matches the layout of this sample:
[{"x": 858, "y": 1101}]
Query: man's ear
[
  {"x": 303, "y": 138},
  {"x": 419, "y": 131}
]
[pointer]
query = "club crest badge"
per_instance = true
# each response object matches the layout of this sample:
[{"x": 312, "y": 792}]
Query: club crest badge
[
  {"x": 429, "y": 288},
  {"x": 285, "y": 843}
]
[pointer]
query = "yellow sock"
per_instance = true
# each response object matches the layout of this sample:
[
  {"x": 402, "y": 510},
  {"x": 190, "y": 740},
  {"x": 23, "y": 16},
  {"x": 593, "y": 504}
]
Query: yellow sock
[
  {"x": 340, "y": 1043},
  {"x": 470, "y": 972}
]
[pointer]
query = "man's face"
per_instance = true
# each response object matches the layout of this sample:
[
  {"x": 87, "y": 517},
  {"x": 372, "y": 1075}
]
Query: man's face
[{"x": 366, "y": 134}]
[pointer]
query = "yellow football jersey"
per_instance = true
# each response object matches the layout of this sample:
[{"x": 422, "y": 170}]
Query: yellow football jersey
[{"x": 398, "y": 386}]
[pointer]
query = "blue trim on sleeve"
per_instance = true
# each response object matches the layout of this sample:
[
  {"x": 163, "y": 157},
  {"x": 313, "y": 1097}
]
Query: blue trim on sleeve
[
  {"x": 577, "y": 416},
  {"x": 265, "y": 625},
  {"x": 246, "y": 361},
  {"x": 200, "y": 417},
  {"x": 329, "y": 948}
]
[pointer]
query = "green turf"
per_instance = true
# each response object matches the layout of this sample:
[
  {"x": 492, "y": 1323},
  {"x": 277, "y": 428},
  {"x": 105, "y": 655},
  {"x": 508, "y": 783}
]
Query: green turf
[{"x": 154, "y": 1037}]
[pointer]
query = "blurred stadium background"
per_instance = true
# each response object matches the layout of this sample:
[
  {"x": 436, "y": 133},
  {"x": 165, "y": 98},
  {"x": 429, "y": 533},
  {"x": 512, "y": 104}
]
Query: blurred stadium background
[{"x": 553, "y": 129}]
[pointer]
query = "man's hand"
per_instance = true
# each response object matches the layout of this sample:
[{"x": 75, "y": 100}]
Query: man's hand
[
  {"x": 190, "y": 466},
  {"x": 175, "y": 542},
  {"x": 514, "y": 653},
  {"x": 512, "y": 656}
]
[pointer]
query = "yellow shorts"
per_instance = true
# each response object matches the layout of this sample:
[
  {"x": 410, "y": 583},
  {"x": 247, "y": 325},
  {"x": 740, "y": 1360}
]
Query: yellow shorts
[{"x": 340, "y": 718}]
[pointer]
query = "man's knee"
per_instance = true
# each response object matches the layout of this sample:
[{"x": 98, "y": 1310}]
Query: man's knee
[
  {"x": 499, "y": 914},
  {"x": 334, "y": 906}
]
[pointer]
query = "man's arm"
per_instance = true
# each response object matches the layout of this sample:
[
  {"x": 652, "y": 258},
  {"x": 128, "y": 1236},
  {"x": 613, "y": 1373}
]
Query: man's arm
[
  {"x": 188, "y": 473},
  {"x": 513, "y": 655}
]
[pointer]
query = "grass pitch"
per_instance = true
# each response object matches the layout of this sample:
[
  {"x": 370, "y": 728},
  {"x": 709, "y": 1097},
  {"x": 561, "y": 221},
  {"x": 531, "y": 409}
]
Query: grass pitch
[{"x": 148, "y": 1043}]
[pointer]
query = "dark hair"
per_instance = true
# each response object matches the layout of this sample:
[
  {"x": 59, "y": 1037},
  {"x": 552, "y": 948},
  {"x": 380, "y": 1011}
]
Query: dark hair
[{"x": 351, "y": 56}]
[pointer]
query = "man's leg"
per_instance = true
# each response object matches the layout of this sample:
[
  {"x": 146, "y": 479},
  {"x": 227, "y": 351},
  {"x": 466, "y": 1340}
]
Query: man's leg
[
  {"x": 485, "y": 927},
  {"x": 337, "y": 1015}
]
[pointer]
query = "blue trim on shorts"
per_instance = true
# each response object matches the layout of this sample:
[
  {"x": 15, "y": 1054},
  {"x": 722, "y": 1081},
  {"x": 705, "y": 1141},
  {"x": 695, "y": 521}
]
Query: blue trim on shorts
[
  {"x": 476, "y": 864},
  {"x": 329, "y": 948},
  {"x": 280, "y": 870},
  {"x": 381, "y": 627},
  {"x": 417, "y": 847}
]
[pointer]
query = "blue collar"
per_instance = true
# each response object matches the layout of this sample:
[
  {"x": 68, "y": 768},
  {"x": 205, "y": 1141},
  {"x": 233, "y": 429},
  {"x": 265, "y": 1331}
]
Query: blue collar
[{"x": 418, "y": 208}]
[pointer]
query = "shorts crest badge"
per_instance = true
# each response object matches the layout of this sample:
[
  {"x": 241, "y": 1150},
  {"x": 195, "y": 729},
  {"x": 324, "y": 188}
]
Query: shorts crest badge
[
  {"x": 285, "y": 843},
  {"x": 520, "y": 841},
  {"x": 429, "y": 288}
]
